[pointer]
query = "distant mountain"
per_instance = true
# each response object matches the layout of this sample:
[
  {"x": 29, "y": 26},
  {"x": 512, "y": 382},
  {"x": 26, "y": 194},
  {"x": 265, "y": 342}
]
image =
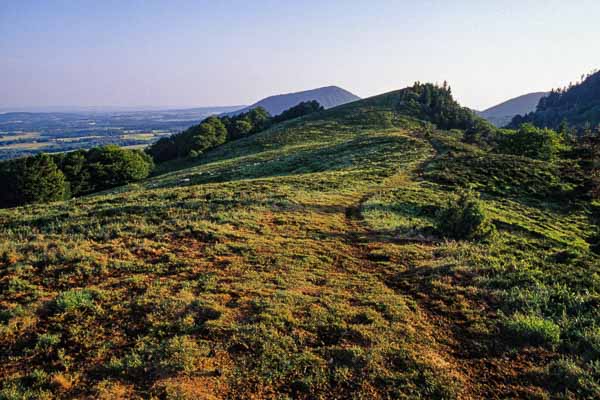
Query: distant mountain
[
  {"x": 501, "y": 114},
  {"x": 578, "y": 105},
  {"x": 328, "y": 97}
]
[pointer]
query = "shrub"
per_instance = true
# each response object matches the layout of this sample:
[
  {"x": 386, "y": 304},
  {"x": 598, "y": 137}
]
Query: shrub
[
  {"x": 532, "y": 329},
  {"x": 46, "y": 341},
  {"x": 532, "y": 142},
  {"x": 464, "y": 218},
  {"x": 569, "y": 378},
  {"x": 73, "y": 165},
  {"x": 163, "y": 150},
  {"x": 73, "y": 300},
  {"x": 179, "y": 354}
]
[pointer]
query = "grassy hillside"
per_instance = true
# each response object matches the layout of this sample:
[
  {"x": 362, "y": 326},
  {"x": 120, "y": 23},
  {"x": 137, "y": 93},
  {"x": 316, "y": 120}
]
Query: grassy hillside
[{"x": 303, "y": 262}]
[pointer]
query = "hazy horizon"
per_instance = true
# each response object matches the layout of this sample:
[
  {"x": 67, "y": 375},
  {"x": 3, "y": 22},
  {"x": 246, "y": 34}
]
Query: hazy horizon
[{"x": 189, "y": 54}]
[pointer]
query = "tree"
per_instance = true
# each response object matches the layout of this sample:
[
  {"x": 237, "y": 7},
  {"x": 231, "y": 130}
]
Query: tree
[
  {"x": 111, "y": 166},
  {"x": 209, "y": 133},
  {"x": 73, "y": 165},
  {"x": 34, "y": 179},
  {"x": 259, "y": 118},
  {"x": 588, "y": 152},
  {"x": 164, "y": 149},
  {"x": 299, "y": 110},
  {"x": 241, "y": 128},
  {"x": 435, "y": 104}
]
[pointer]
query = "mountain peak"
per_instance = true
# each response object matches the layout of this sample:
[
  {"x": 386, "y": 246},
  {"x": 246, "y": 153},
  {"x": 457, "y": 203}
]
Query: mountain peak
[{"x": 327, "y": 96}]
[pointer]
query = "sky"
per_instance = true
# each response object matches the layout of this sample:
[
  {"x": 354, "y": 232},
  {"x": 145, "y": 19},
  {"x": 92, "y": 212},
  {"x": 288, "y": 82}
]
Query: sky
[{"x": 186, "y": 53}]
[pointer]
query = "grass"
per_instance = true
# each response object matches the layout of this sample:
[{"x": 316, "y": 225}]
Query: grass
[{"x": 302, "y": 262}]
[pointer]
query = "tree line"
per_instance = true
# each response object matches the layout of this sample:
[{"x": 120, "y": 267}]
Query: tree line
[
  {"x": 52, "y": 177},
  {"x": 215, "y": 131},
  {"x": 577, "y": 105},
  {"x": 576, "y": 149}
]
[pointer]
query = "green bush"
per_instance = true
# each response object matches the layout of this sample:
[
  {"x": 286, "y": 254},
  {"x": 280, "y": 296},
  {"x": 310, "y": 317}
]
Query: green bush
[
  {"x": 45, "y": 178},
  {"x": 46, "y": 341},
  {"x": 179, "y": 354},
  {"x": 464, "y": 218},
  {"x": 573, "y": 380},
  {"x": 73, "y": 299},
  {"x": 530, "y": 141},
  {"x": 532, "y": 329}
]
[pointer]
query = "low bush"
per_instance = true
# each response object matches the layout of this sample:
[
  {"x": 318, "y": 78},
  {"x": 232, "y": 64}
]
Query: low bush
[
  {"x": 532, "y": 329},
  {"x": 46, "y": 341},
  {"x": 464, "y": 218},
  {"x": 573, "y": 380},
  {"x": 179, "y": 354},
  {"x": 73, "y": 300}
]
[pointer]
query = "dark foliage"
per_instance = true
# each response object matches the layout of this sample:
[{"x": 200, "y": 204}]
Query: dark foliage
[
  {"x": 303, "y": 108},
  {"x": 245, "y": 124},
  {"x": 209, "y": 133},
  {"x": 587, "y": 152},
  {"x": 34, "y": 179},
  {"x": 112, "y": 166},
  {"x": 215, "y": 131},
  {"x": 530, "y": 141},
  {"x": 44, "y": 178},
  {"x": 578, "y": 105},
  {"x": 435, "y": 103},
  {"x": 464, "y": 218}
]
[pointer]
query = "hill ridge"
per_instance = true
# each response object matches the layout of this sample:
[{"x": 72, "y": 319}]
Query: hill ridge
[
  {"x": 306, "y": 261},
  {"x": 327, "y": 96}
]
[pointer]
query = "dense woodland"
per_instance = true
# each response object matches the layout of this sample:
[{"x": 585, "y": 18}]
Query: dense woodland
[{"x": 576, "y": 106}]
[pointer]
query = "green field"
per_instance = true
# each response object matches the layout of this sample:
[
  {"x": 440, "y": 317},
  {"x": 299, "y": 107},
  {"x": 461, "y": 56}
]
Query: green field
[{"x": 303, "y": 262}]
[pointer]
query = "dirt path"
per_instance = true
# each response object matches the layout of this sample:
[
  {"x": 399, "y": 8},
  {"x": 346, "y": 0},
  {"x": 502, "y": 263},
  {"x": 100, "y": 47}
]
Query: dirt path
[{"x": 482, "y": 368}]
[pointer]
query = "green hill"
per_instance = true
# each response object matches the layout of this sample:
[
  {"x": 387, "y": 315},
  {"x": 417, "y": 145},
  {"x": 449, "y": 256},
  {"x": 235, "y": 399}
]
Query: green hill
[{"x": 306, "y": 261}]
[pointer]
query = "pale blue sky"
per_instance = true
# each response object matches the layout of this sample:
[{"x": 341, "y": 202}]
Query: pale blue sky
[{"x": 205, "y": 53}]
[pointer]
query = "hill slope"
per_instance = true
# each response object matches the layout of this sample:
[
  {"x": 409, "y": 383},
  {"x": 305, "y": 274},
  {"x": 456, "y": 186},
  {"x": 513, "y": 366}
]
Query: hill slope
[
  {"x": 501, "y": 114},
  {"x": 578, "y": 105},
  {"x": 303, "y": 262},
  {"x": 328, "y": 97}
]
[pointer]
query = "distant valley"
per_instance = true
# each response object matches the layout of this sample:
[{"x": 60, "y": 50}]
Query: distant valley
[{"x": 28, "y": 133}]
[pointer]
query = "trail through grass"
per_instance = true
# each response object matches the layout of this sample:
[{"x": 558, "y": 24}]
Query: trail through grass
[{"x": 302, "y": 262}]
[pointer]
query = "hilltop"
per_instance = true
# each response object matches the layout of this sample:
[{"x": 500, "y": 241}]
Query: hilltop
[
  {"x": 310, "y": 260},
  {"x": 328, "y": 97},
  {"x": 501, "y": 114}
]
